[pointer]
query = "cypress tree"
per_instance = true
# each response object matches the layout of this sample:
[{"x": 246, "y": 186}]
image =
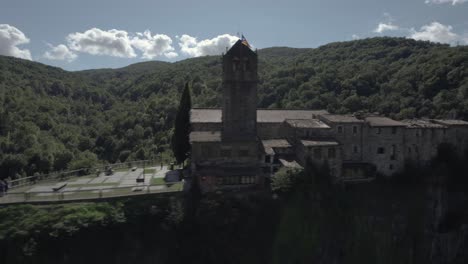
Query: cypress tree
[{"x": 180, "y": 138}]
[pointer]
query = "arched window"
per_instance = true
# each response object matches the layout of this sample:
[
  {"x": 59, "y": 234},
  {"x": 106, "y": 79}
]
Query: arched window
[
  {"x": 246, "y": 64},
  {"x": 235, "y": 64}
]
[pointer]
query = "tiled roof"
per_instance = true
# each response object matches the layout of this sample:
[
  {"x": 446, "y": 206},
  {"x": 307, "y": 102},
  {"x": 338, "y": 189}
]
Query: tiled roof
[
  {"x": 278, "y": 116},
  {"x": 451, "y": 122},
  {"x": 306, "y": 123},
  {"x": 421, "y": 123},
  {"x": 268, "y": 145},
  {"x": 213, "y": 115},
  {"x": 205, "y": 115},
  {"x": 341, "y": 118},
  {"x": 205, "y": 136},
  {"x": 315, "y": 143},
  {"x": 290, "y": 164},
  {"x": 380, "y": 121}
]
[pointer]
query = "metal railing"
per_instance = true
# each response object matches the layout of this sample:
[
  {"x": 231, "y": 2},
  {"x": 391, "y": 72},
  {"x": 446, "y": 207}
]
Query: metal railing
[
  {"x": 89, "y": 194},
  {"x": 63, "y": 175}
]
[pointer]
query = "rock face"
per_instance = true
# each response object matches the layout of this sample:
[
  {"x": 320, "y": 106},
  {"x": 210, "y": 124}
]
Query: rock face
[
  {"x": 448, "y": 228},
  {"x": 368, "y": 223}
]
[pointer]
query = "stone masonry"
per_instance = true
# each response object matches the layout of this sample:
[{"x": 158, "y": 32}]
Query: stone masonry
[{"x": 239, "y": 145}]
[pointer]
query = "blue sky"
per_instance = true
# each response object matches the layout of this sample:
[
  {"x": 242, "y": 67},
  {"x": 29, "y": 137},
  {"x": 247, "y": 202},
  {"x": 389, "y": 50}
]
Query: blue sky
[{"x": 85, "y": 34}]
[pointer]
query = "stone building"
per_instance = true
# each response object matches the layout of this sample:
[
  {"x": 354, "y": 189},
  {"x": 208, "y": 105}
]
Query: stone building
[{"x": 238, "y": 145}]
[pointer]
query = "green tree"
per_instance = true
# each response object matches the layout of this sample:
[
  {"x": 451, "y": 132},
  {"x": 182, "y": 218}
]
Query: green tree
[{"x": 180, "y": 138}]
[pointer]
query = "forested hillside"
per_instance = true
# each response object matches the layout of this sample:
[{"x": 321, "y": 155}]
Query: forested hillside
[{"x": 51, "y": 119}]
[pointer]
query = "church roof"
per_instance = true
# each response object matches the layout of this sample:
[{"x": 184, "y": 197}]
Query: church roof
[
  {"x": 318, "y": 143},
  {"x": 268, "y": 145},
  {"x": 213, "y": 115},
  {"x": 306, "y": 123},
  {"x": 421, "y": 123},
  {"x": 380, "y": 121},
  {"x": 279, "y": 115},
  {"x": 341, "y": 118},
  {"x": 205, "y": 136},
  {"x": 290, "y": 164},
  {"x": 205, "y": 115},
  {"x": 451, "y": 122},
  {"x": 240, "y": 49}
]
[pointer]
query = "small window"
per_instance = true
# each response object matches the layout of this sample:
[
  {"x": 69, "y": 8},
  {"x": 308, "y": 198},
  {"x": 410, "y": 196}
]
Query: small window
[
  {"x": 225, "y": 152},
  {"x": 235, "y": 64},
  {"x": 267, "y": 159},
  {"x": 390, "y": 166},
  {"x": 354, "y": 130},
  {"x": 243, "y": 152},
  {"x": 340, "y": 129},
  {"x": 206, "y": 151},
  {"x": 378, "y": 131},
  {"x": 380, "y": 150},
  {"x": 308, "y": 133},
  {"x": 246, "y": 64},
  {"x": 394, "y": 130},
  {"x": 317, "y": 153},
  {"x": 331, "y": 153},
  {"x": 409, "y": 150},
  {"x": 355, "y": 149},
  {"x": 393, "y": 155}
]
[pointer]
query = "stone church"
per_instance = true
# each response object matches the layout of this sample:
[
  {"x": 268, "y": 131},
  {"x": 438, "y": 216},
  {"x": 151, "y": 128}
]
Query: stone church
[{"x": 240, "y": 146}]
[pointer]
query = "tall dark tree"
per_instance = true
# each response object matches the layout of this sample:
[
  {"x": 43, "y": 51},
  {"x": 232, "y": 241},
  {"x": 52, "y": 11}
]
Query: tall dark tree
[{"x": 180, "y": 138}]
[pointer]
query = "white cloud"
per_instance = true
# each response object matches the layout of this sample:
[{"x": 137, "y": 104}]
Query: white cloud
[
  {"x": 60, "y": 52},
  {"x": 355, "y": 37},
  {"x": 153, "y": 46},
  {"x": 171, "y": 55},
  {"x": 120, "y": 43},
  {"x": 10, "y": 38},
  {"x": 382, "y": 27},
  {"x": 437, "y": 32},
  {"x": 453, "y": 2},
  {"x": 215, "y": 46},
  {"x": 99, "y": 42}
]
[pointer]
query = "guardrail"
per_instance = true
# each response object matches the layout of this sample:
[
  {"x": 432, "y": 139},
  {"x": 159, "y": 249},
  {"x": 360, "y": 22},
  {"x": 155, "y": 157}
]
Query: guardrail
[
  {"x": 63, "y": 175},
  {"x": 89, "y": 194}
]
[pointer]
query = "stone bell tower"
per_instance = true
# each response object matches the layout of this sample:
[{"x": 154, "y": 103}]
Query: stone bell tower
[{"x": 240, "y": 94}]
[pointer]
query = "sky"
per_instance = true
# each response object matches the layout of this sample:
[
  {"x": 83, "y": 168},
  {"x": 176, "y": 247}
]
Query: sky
[{"x": 90, "y": 34}]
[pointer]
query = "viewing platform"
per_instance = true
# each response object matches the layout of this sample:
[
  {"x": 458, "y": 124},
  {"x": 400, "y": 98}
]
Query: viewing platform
[{"x": 123, "y": 182}]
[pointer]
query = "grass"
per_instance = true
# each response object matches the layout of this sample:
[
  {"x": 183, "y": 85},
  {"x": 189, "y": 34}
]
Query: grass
[
  {"x": 155, "y": 181},
  {"x": 178, "y": 186},
  {"x": 149, "y": 171}
]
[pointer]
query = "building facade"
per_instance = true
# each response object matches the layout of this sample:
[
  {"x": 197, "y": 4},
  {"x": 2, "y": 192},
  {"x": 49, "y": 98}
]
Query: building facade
[{"x": 239, "y": 145}]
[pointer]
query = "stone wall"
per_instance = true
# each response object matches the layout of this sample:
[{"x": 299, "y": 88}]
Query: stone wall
[
  {"x": 350, "y": 136},
  {"x": 420, "y": 144},
  {"x": 383, "y": 147},
  {"x": 334, "y": 162}
]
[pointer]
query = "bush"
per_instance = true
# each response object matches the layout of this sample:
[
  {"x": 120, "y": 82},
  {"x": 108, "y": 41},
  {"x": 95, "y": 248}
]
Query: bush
[{"x": 284, "y": 180}]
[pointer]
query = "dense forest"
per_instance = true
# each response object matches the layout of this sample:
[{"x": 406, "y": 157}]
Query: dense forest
[
  {"x": 416, "y": 217},
  {"x": 51, "y": 119}
]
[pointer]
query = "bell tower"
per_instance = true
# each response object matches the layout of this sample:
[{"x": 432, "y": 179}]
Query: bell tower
[{"x": 240, "y": 93}]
